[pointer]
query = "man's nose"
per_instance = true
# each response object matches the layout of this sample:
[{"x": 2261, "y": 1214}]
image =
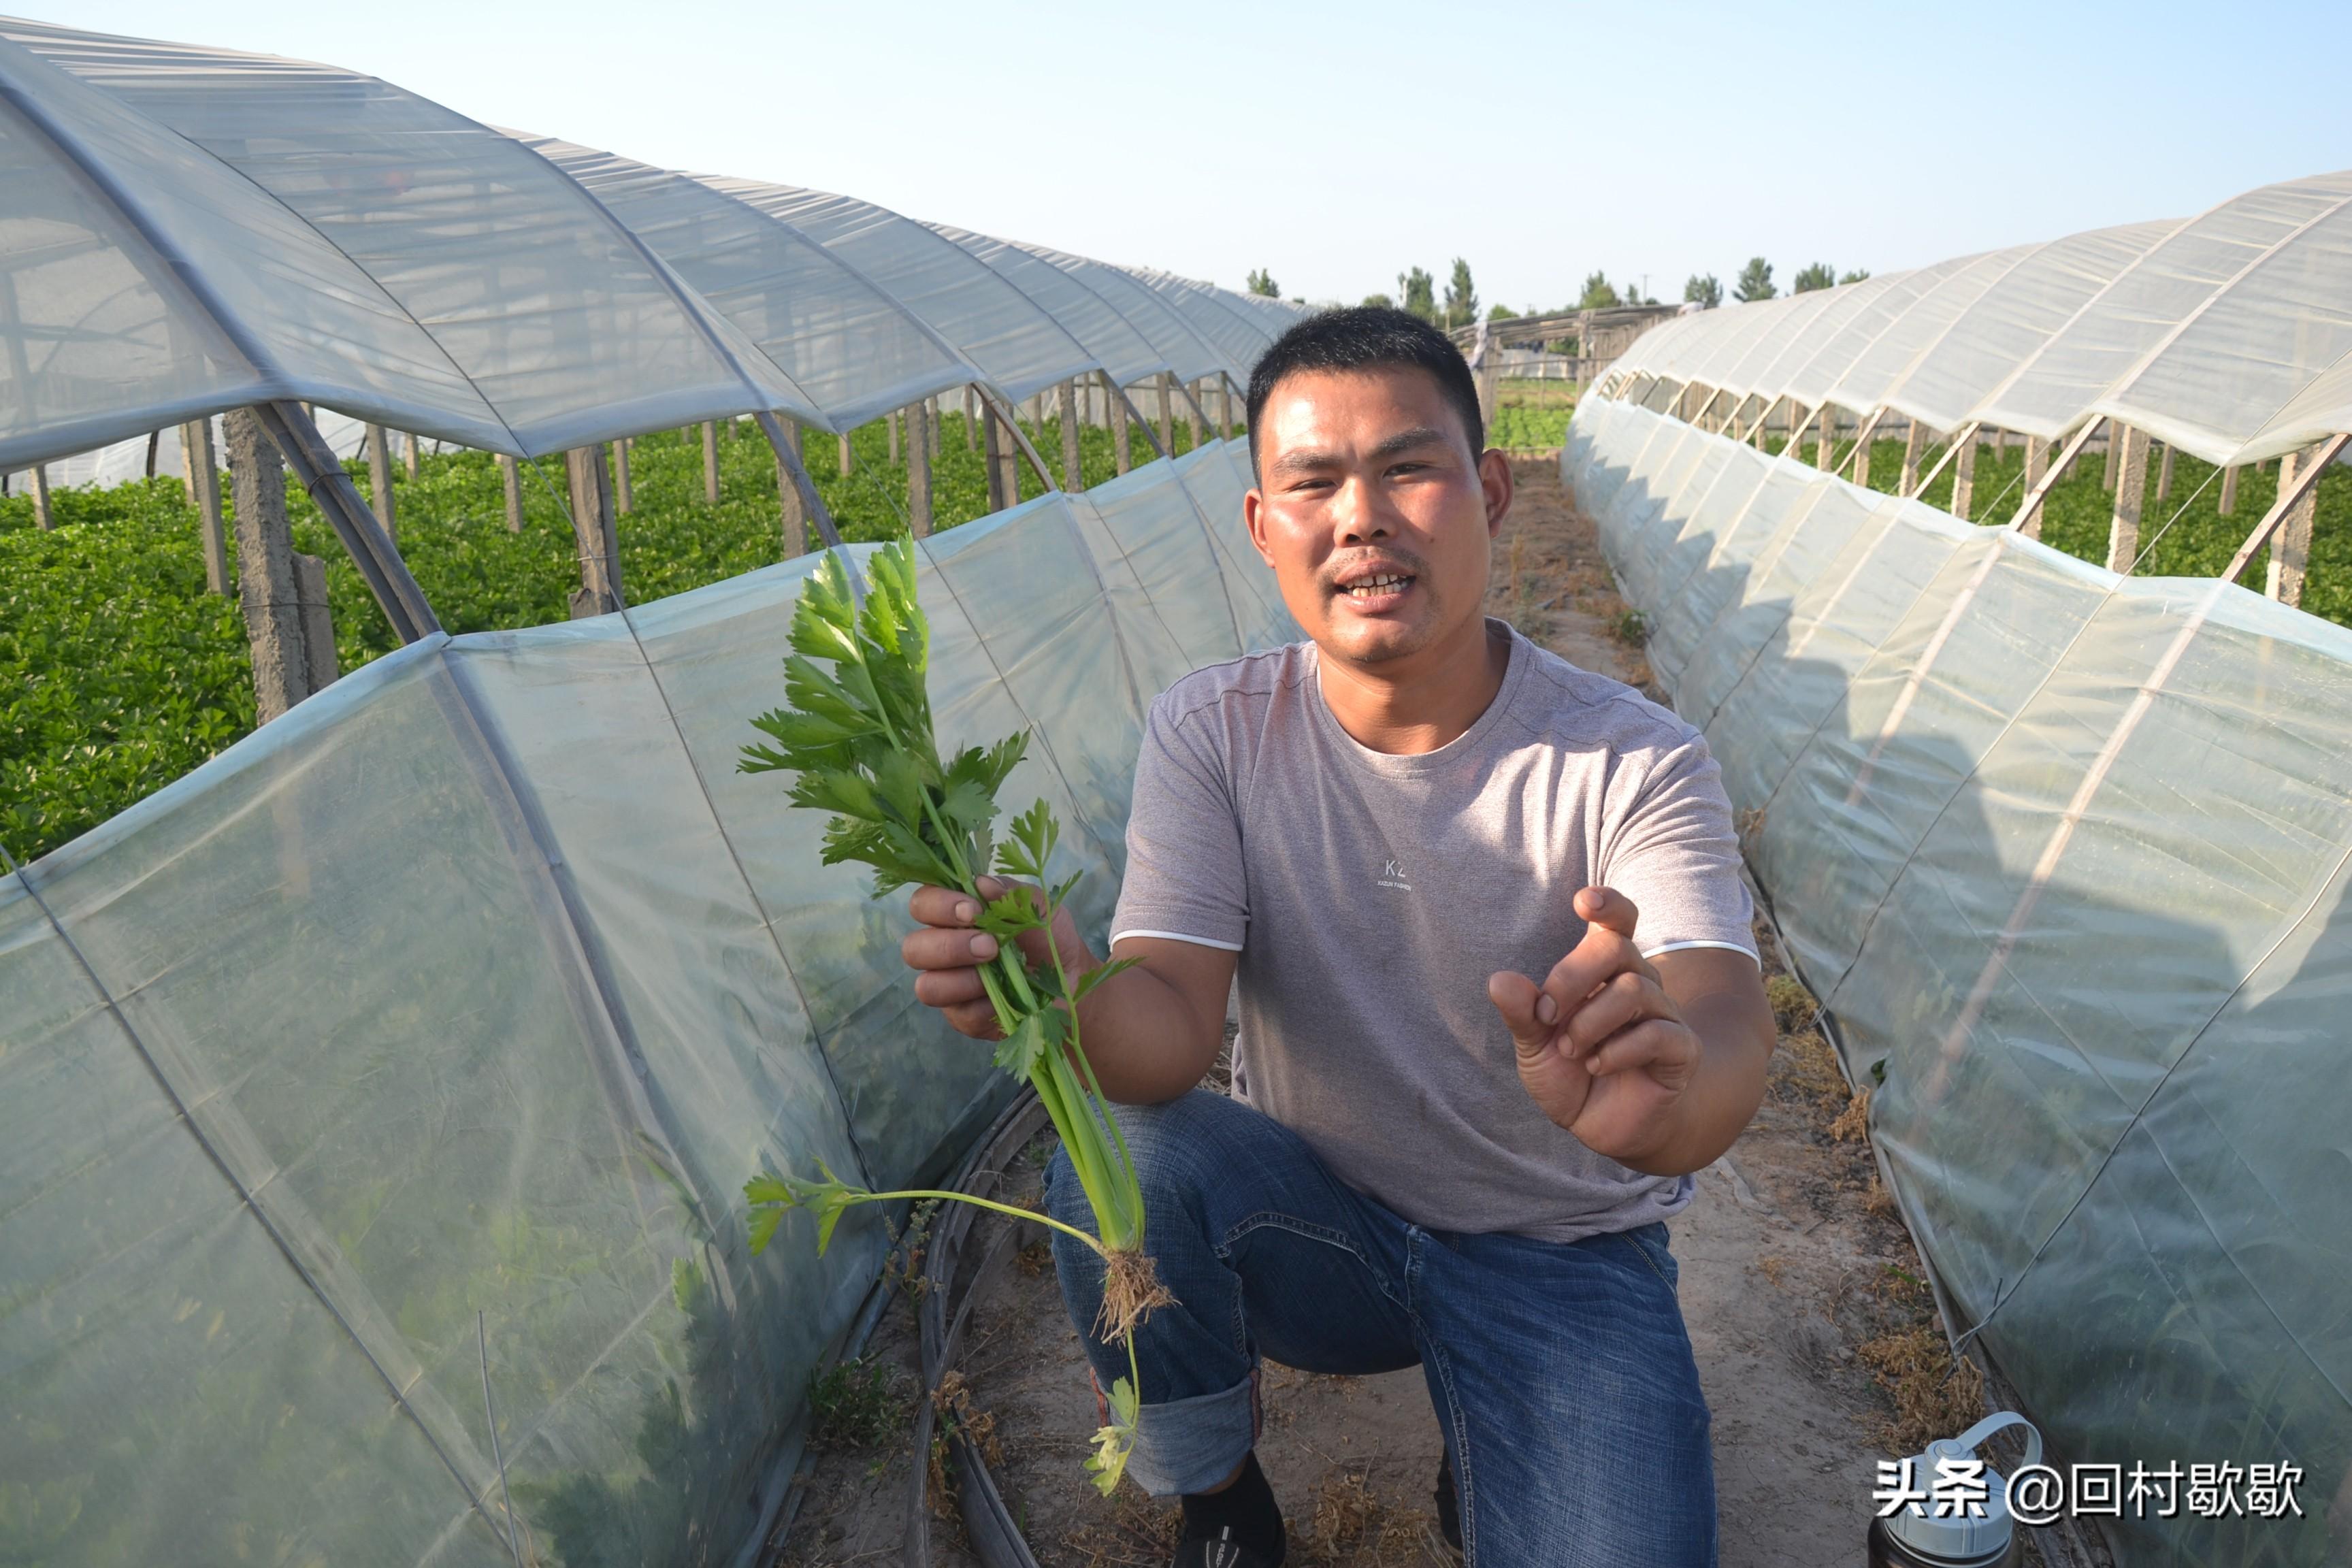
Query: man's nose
[{"x": 1357, "y": 518}]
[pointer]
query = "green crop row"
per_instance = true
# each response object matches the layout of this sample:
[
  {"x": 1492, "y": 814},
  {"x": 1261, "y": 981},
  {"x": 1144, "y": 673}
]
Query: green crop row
[
  {"x": 2183, "y": 534},
  {"x": 119, "y": 673},
  {"x": 1519, "y": 428}
]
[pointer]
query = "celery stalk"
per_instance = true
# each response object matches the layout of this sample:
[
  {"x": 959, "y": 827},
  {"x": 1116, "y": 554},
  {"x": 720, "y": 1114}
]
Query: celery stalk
[{"x": 858, "y": 738}]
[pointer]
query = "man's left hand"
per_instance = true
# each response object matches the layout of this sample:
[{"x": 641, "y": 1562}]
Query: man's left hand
[{"x": 1602, "y": 1048}]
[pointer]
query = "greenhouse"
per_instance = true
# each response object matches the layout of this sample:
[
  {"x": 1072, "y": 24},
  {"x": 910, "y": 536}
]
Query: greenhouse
[
  {"x": 381, "y": 1094},
  {"x": 378, "y": 1097},
  {"x": 2063, "y": 848}
]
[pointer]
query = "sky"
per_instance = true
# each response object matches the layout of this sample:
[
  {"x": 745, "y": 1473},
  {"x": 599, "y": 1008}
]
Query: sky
[{"x": 1336, "y": 144}]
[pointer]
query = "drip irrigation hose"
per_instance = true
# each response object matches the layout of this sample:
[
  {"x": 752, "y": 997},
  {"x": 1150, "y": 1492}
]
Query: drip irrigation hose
[{"x": 993, "y": 1535}]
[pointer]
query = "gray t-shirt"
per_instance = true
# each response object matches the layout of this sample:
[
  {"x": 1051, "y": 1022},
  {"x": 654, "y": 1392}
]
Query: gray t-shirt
[{"x": 1370, "y": 897}]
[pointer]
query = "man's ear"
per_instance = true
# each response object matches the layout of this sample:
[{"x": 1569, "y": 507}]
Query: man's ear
[
  {"x": 1254, "y": 518},
  {"x": 1495, "y": 479}
]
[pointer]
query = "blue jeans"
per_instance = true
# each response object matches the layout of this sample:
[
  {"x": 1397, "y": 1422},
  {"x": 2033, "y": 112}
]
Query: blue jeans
[{"x": 1560, "y": 1372}]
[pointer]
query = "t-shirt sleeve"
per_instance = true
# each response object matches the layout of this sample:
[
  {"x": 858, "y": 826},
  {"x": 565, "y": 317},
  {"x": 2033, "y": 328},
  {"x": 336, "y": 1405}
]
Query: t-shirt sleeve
[
  {"x": 1184, "y": 875},
  {"x": 1674, "y": 852}
]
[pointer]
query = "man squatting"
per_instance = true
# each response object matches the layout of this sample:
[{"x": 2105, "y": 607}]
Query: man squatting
[{"x": 1428, "y": 1158}]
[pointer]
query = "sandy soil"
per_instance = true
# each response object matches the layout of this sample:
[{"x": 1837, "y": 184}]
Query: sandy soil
[{"x": 1815, "y": 1336}]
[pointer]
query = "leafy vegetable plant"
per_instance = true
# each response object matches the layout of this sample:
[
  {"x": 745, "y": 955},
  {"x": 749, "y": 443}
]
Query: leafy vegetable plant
[{"x": 860, "y": 741}]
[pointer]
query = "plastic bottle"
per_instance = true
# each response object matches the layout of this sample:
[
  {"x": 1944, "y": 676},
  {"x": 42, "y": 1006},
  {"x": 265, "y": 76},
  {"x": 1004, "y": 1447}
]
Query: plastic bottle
[{"x": 1915, "y": 1537}]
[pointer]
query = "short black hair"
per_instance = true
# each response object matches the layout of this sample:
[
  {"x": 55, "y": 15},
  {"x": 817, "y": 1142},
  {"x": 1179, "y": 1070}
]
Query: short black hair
[{"x": 1363, "y": 338}]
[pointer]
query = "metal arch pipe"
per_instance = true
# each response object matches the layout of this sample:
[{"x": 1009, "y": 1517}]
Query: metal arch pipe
[
  {"x": 1006, "y": 416},
  {"x": 339, "y": 501},
  {"x": 819, "y": 513},
  {"x": 2305, "y": 480},
  {"x": 1952, "y": 449},
  {"x": 2056, "y": 471},
  {"x": 1135, "y": 418},
  {"x": 1194, "y": 404}
]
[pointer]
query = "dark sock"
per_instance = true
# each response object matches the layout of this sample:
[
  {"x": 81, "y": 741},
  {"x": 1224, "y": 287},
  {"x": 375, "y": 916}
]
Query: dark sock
[{"x": 1246, "y": 1508}]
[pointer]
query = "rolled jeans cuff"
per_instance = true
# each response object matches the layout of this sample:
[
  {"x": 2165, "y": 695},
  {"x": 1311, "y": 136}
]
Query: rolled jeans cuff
[{"x": 1187, "y": 1445}]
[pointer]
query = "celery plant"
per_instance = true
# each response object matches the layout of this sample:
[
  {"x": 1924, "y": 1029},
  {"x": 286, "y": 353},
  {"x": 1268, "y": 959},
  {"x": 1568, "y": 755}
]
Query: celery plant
[{"x": 859, "y": 740}]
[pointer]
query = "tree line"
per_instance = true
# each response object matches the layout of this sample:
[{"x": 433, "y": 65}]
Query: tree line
[
  {"x": 1417, "y": 290},
  {"x": 1417, "y": 293},
  {"x": 1755, "y": 282}
]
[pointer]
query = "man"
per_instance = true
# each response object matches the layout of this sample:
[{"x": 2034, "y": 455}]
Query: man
[{"x": 1429, "y": 1158}]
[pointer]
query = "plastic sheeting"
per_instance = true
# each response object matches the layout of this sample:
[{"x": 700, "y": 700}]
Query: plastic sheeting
[
  {"x": 2066, "y": 854},
  {"x": 1123, "y": 351},
  {"x": 856, "y": 352},
  {"x": 104, "y": 337},
  {"x": 539, "y": 304},
  {"x": 1187, "y": 353},
  {"x": 190, "y": 229},
  {"x": 2226, "y": 335},
  {"x": 2111, "y": 341},
  {"x": 440, "y": 1023},
  {"x": 1240, "y": 337},
  {"x": 2003, "y": 326},
  {"x": 993, "y": 324}
]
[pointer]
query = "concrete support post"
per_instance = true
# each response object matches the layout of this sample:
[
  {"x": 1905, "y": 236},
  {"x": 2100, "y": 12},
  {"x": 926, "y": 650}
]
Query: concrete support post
[
  {"x": 993, "y": 460},
  {"x": 933, "y": 415},
  {"x": 2164, "y": 474},
  {"x": 1914, "y": 440},
  {"x": 2291, "y": 545},
  {"x": 321, "y": 668},
  {"x": 625, "y": 499},
  {"x": 846, "y": 457},
  {"x": 510, "y": 479},
  {"x": 2127, "y": 460},
  {"x": 413, "y": 452},
  {"x": 794, "y": 511},
  {"x": 599, "y": 545},
  {"x": 1193, "y": 418},
  {"x": 1073, "y": 450},
  {"x": 1122, "y": 452},
  {"x": 2037, "y": 460},
  {"x": 379, "y": 461},
  {"x": 267, "y": 590},
  {"x": 710, "y": 462},
  {"x": 2115, "y": 455},
  {"x": 2228, "y": 503},
  {"x": 1164, "y": 415},
  {"x": 43, "y": 519},
  {"x": 1008, "y": 454},
  {"x": 1964, "y": 479},
  {"x": 919, "y": 439},
  {"x": 971, "y": 422},
  {"x": 204, "y": 489}
]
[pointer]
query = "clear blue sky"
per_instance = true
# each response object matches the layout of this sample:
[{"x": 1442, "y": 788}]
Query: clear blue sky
[{"x": 1336, "y": 143}]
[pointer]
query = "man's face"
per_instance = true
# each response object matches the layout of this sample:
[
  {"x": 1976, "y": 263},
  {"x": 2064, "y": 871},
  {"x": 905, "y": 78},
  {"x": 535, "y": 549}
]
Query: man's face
[{"x": 1372, "y": 511}]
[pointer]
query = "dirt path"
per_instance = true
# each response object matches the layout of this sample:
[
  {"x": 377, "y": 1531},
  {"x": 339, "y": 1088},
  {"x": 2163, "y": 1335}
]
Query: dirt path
[{"x": 1814, "y": 1335}]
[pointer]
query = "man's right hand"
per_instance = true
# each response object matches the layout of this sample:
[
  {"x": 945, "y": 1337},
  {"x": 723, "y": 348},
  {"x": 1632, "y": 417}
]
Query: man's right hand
[
  {"x": 1150, "y": 1032},
  {"x": 946, "y": 953}
]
